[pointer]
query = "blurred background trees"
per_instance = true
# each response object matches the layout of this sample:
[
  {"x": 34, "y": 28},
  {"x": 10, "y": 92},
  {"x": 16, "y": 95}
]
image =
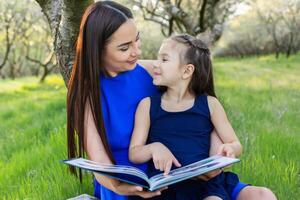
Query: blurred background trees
[
  {"x": 190, "y": 16},
  {"x": 266, "y": 27},
  {"x": 25, "y": 40},
  {"x": 38, "y": 37}
]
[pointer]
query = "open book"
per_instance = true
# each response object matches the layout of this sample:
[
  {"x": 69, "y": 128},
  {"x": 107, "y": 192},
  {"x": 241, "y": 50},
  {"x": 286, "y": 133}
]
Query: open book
[{"x": 135, "y": 176}]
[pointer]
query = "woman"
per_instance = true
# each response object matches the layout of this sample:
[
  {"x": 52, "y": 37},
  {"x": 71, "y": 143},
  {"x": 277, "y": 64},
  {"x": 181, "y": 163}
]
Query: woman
[{"x": 105, "y": 87}]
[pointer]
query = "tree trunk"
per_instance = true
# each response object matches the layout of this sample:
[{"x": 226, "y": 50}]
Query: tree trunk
[
  {"x": 277, "y": 54},
  {"x": 290, "y": 45},
  {"x": 45, "y": 73},
  {"x": 64, "y": 19},
  {"x": 8, "y": 46}
]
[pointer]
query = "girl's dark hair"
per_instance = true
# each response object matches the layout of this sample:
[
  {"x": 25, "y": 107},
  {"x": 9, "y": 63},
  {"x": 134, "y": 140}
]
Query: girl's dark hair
[
  {"x": 198, "y": 54},
  {"x": 99, "y": 21}
]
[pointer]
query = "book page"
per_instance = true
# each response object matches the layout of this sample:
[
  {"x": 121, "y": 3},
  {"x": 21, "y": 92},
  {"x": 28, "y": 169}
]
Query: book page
[
  {"x": 106, "y": 168},
  {"x": 189, "y": 171}
]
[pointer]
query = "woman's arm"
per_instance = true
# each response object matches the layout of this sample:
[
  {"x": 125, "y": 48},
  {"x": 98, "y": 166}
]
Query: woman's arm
[
  {"x": 94, "y": 147},
  {"x": 232, "y": 146},
  {"x": 96, "y": 152},
  {"x": 138, "y": 151}
]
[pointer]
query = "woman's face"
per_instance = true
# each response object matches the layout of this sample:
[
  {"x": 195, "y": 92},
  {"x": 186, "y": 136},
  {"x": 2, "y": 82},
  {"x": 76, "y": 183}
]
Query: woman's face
[{"x": 123, "y": 49}]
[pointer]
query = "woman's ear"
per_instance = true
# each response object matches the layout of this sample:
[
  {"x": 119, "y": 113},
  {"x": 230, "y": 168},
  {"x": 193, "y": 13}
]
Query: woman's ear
[{"x": 188, "y": 71}]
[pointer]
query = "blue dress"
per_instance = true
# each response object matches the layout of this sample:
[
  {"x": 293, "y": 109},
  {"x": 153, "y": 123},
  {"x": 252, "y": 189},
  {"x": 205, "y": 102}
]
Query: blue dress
[
  {"x": 187, "y": 135},
  {"x": 120, "y": 96}
]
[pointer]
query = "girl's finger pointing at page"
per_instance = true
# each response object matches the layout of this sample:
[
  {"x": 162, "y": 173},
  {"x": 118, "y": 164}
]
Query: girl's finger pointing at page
[
  {"x": 176, "y": 163},
  {"x": 168, "y": 167}
]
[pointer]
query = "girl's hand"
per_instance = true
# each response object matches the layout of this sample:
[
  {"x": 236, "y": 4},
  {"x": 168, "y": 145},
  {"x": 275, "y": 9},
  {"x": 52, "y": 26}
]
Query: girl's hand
[
  {"x": 226, "y": 150},
  {"x": 162, "y": 157},
  {"x": 126, "y": 189}
]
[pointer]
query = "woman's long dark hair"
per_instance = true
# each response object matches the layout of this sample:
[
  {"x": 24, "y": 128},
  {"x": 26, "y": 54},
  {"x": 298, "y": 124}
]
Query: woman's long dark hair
[
  {"x": 198, "y": 54},
  {"x": 99, "y": 21}
]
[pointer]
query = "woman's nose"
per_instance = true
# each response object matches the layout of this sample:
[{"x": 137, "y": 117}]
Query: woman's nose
[{"x": 136, "y": 49}]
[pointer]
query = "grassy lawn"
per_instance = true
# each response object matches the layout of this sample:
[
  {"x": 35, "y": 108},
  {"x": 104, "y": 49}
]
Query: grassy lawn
[{"x": 261, "y": 97}]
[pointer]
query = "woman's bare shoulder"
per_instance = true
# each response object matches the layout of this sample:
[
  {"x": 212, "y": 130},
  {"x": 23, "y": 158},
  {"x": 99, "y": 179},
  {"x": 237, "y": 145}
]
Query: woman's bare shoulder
[{"x": 147, "y": 65}]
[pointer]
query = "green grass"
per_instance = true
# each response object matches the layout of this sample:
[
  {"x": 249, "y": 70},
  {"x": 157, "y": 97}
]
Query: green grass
[
  {"x": 33, "y": 141},
  {"x": 261, "y": 97}
]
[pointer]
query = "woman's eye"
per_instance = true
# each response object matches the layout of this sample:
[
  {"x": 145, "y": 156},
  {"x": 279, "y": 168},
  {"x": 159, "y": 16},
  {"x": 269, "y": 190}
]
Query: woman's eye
[
  {"x": 164, "y": 60},
  {"x": 124, "y": 48}
]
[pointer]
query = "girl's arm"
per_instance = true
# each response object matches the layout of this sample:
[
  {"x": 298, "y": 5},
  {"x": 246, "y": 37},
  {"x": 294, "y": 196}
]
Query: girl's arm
[
  {"x": 139, "y": 152},
  {"x": 215, "y": 143},
  {"x": 96, "y": 152},
  {"x": 232, "y": 146}
]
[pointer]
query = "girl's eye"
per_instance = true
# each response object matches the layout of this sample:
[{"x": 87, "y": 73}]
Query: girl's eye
[{"x": 164, "y": 60}]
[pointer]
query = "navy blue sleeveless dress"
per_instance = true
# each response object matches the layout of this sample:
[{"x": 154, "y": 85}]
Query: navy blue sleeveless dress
[{"x": 187, "y": 135}]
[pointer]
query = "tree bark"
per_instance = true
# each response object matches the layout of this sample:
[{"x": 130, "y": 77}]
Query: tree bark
[{"x": 64, "y": 20}]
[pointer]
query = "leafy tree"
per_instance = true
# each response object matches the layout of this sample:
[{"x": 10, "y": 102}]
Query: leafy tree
[{"x": 204, "y": 17}]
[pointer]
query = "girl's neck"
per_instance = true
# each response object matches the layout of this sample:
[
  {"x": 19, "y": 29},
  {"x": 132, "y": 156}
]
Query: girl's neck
[{"x": 178, "y": 94}]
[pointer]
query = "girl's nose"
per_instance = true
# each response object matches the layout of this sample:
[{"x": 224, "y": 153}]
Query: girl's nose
[{"x": 155, "y": 63}]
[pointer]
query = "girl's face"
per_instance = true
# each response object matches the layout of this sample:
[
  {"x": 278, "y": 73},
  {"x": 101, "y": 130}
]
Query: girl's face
[
  {"x": 168, "y": 68},
  {"x": 123, "y": 49}
]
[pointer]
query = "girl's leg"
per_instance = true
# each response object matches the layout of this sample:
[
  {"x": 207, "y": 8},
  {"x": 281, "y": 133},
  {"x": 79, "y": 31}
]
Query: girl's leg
[
  {"x": 257, "y": 193},
  {"x": 212, "y": 198}
]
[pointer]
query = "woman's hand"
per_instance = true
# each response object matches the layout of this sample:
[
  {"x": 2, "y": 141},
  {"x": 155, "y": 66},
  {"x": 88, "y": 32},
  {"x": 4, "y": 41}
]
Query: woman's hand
[
  {"x": 223, "y": 150},
  {"x": 209, "y": 175},
  {"x": 162, "y": 157},
  {"x": 126, "y": 189}
]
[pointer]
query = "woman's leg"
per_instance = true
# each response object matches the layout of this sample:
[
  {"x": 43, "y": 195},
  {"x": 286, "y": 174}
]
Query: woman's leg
[{"x": 256, "y": 193}]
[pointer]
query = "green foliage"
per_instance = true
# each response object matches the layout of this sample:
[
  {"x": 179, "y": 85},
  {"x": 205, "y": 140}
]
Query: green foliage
[{"x": 260, "y": 96}]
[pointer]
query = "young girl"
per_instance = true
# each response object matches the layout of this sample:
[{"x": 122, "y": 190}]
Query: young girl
[{"x": 173, "y": 128}]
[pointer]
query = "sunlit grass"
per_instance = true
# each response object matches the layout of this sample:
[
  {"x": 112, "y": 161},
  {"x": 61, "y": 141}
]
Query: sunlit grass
[
  {"x": 261, "y": 97},
  {"x": 33, "y": 141}
]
